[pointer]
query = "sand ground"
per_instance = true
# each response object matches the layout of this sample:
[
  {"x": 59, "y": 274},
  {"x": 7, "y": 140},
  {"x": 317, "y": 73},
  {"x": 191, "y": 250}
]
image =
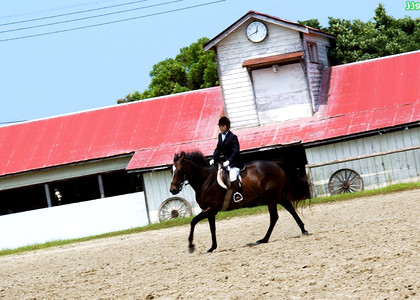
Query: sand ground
[{"x": 367, "y": 248}]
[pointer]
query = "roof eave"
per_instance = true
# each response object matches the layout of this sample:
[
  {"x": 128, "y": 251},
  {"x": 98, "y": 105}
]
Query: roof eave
[
  {"x": 263, "y": 17},
  {"x": 363, "y": 134}
]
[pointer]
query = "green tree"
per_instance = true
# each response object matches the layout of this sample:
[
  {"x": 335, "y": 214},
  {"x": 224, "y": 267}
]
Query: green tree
[
  {"x": 381, "y": 36},
  {"x": 195, "y": 69},
  {"x": 191, "y": 69},
  {"x": 314, "y": 23}
]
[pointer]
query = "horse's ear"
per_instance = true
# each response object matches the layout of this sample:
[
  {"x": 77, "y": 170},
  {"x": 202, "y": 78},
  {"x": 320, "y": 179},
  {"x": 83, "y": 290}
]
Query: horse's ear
[{"x": 181, "y": 158}]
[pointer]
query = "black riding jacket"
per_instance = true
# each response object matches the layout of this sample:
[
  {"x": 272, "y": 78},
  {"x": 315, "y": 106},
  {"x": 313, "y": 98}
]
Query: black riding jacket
[{"x": 228, "y": 150}]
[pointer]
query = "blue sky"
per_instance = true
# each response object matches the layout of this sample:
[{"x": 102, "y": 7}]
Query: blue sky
[{"x": 78, "y": 70}]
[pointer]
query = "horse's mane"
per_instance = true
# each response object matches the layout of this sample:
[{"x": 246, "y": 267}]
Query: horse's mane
[{"x": 195, "y": 156}]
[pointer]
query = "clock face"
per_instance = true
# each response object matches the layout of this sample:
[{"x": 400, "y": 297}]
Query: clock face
[{"x": 256, "y": 31}]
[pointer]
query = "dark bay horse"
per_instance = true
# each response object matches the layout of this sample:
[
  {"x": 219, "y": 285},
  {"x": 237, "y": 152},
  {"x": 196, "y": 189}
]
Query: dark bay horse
[{"x": 276, "y": 183}]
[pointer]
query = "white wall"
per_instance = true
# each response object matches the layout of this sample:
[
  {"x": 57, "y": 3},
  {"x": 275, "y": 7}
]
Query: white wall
[{"x": 73, "y": 220}]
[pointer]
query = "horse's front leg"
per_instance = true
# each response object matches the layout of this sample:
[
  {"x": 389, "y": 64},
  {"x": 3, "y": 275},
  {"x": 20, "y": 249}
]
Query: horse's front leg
[
  {"x": 206, "y": 213},
  {"x": 212, "y": 223}
]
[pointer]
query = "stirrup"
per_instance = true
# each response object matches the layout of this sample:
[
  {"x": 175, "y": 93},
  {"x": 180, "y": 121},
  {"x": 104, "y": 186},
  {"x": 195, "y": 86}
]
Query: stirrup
[{"x": 240, "y": 198}]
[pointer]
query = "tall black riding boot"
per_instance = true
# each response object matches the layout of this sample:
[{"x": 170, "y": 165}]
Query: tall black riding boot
[{"x": 237, "y": 191}]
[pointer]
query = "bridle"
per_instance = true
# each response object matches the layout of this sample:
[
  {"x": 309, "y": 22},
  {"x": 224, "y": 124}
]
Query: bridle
[{"x": 182, "y": 183}]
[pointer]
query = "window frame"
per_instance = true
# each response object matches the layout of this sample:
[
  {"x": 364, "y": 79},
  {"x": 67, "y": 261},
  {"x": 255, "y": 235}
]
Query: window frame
[{"x": 313, "y": 52}]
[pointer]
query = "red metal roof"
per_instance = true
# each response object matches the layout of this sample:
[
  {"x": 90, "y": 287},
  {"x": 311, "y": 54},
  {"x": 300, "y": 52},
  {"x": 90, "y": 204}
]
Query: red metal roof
[
  {"x": 362, "y": 97},
  {"x": 374, "y": 85},
  {"x": 111, "y": 131}
]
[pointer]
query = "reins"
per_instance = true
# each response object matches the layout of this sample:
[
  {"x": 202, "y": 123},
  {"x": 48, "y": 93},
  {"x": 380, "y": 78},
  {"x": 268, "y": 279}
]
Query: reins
[{"x": 184, "y": 183}]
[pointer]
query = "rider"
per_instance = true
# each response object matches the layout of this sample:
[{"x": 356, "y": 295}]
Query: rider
[{"x": 227, "y": 150}]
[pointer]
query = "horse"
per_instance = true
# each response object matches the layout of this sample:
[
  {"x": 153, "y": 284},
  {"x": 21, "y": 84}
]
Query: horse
[{"x": 276, "y": 182}]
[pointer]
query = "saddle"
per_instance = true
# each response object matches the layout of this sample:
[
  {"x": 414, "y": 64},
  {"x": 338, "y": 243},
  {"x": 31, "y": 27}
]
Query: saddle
[
  {"x": 223, "y": 177},
  {"x": 224, "y": 182}
]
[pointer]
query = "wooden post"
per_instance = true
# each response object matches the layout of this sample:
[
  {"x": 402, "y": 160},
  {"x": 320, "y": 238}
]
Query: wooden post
[
  {"x": 47, "y": 194},
  {"x": 101, "y": 186}
]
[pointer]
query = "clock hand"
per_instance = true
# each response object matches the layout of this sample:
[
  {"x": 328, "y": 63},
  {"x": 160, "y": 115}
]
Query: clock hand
[{"x": 256, "y": 31}]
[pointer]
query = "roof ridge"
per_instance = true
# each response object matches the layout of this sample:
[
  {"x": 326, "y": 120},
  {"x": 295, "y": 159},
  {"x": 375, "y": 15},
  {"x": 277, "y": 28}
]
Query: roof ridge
[
  {"x": 376, "y": 59},
  {"x": 108, "y": 107}
]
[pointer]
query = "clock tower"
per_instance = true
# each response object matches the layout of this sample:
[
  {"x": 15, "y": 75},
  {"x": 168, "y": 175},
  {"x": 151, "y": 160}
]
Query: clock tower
[{"x": 270, "y": 69}]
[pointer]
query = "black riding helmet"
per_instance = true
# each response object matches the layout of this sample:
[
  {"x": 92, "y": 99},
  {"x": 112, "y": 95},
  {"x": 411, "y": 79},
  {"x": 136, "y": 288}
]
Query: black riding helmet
[{"x": 224, "y": 121}]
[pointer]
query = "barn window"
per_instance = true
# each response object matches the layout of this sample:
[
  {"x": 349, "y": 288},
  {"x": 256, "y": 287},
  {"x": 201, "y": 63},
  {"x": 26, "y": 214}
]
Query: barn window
[
  {"x": 120, "y": 183},
  {"x": 74, "y": 190},
  {"x": 313, "y": 52},
  {"x": 69, "y": 191},
  {"x": 22, "y": 199}
]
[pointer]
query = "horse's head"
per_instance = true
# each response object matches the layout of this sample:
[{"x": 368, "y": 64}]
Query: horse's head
[{"x": 178, "y": 174}]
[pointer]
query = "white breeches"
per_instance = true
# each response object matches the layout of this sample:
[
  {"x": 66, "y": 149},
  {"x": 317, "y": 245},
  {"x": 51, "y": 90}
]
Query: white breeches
[{"x": 233, "y": 173}]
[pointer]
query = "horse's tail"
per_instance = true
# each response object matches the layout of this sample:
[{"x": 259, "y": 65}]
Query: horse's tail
[{"x": 297, "y": 187}]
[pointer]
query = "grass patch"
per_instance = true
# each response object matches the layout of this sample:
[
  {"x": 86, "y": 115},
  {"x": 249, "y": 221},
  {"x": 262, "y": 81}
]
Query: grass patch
[
  {"x": 369, "y": 193},
  {"x": 220, "y": 216}
]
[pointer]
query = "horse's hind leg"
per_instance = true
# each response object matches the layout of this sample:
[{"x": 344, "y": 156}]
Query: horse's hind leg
[
  {"x": 274, "y": 216},
  {"x": 289, "y": 207}
]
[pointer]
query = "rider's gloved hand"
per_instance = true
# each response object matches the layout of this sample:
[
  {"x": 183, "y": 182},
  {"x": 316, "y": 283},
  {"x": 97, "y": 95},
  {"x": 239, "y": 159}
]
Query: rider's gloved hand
[
  {"x": 211, "y": 162},
  {"x": 226, "y": 163}
]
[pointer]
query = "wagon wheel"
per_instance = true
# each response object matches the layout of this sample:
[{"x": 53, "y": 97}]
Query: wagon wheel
[
  {"x": 174, "y": 207},
  {"x": 345, "y": 181}
]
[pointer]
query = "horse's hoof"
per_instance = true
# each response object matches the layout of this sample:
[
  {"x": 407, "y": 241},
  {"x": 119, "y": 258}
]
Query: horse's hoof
[
  {"x": 261, "y": 242},
  {"x": 211, "y": 249},
  {"x": 191, "y": 248},
  {"x": 252, "y": 244},
  {"x": 305, "y": 233}
]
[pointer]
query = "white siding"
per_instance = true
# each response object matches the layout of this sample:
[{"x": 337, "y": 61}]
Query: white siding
[
  {"x": 314, "y": 70},
  {"x": 380, "y": 160}
]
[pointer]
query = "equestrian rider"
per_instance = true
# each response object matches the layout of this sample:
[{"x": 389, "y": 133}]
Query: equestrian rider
[{"x": 227, "y": 151}]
